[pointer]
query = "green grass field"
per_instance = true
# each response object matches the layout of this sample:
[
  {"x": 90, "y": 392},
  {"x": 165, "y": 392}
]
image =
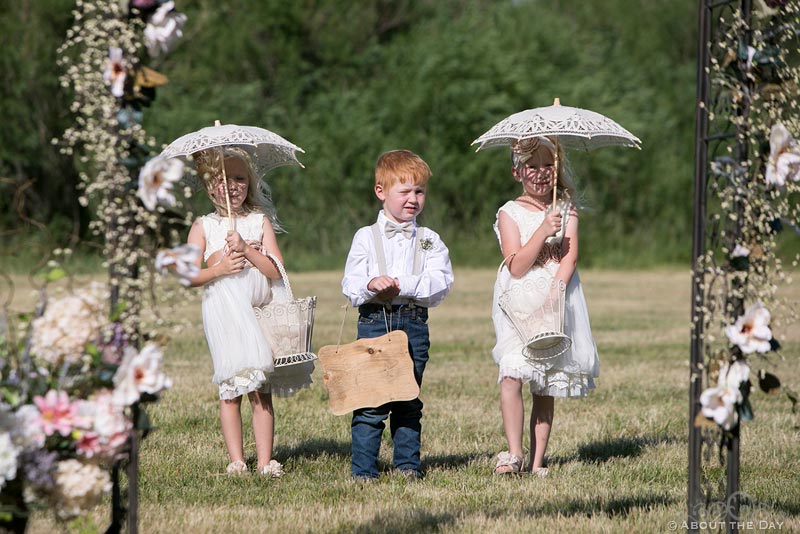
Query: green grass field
[{"x": 618, "y": 459}]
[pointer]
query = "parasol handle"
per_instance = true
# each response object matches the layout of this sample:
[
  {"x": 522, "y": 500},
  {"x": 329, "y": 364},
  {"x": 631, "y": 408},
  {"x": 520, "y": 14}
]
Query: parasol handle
[
  {"x": 225, "y": 182},
  {"x": 555, "y": 184}
]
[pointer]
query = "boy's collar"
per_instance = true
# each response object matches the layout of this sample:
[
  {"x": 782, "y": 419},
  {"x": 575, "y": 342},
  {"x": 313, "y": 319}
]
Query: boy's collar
[{"x": 382, "y": 218}]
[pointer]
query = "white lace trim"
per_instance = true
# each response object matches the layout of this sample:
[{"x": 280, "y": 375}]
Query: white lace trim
[
  {"x": 244, "y": 382},
  {"x": 554, "y": 383}
]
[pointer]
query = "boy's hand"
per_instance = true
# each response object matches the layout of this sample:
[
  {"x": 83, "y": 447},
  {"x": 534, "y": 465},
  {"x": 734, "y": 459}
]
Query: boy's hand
[
  {"x": 552, "y": 223},
  {"x": 386, "y": 287},
  {"x": 235, "y": 242}
]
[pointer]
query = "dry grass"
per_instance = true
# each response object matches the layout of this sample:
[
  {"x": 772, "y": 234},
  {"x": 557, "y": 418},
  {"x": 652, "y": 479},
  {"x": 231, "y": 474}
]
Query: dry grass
[{"x": 618, "y": 458}]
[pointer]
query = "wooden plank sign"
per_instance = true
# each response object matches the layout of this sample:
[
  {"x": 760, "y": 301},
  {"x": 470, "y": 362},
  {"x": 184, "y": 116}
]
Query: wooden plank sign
[{"x": 368, "y": 372}]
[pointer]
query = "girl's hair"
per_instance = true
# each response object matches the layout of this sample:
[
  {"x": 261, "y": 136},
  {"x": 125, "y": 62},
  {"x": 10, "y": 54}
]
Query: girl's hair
[
  {"x": 401, "y": 166},
  {"x": 209, "y": 163},
  {"x": 524, "y": 149}
]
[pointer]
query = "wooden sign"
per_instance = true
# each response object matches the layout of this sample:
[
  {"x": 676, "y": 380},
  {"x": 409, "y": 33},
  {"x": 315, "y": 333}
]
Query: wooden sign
[{"x": 368, "y": 372}]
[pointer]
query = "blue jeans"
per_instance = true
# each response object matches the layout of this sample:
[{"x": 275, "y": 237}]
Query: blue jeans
[{"x": 405, "y": 423}]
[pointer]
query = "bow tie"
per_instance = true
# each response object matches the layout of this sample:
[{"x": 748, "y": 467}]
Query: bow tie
[{"x": 391, "y": 229}]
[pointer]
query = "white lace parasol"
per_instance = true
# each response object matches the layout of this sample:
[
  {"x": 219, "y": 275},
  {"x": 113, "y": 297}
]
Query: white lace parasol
[
  {"x": 268, "y": 150},
  {"x": 573, "y": 127}
]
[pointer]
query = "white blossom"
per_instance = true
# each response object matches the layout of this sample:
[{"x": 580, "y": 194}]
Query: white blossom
[
  {"x": 79, "y": 487},
  {"x": 115, "y": 72},
  {"x": 181, "y": 261},
  {"x": 740, "y": 251},
  {"x": 751, "y": 332},
  {"x": 163, "y": 29},
  {"x": 784, "y": 157},
  {"x": 9, "y": 453},
  {"x": 28, "y": 433},
  {"x": 720, "y": 403},
  {"x": 139, "y": 373},
  {"x": 68, "y": 324},
  {"x": 156, "y": 180}
]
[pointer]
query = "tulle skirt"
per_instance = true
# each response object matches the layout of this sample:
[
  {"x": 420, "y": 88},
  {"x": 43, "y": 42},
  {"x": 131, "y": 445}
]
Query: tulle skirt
[
  {"x": 242, "y": 357},
  {"x": 569, "y": 375}
]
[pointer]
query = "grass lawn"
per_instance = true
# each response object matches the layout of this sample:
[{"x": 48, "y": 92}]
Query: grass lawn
[{"x": 618, "y": 459}]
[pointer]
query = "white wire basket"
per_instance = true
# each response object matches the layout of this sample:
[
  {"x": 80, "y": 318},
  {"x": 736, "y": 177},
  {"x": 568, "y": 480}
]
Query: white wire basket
[
  {"x": 536, "y": 310},
  {"x": 288, "y": 325}
]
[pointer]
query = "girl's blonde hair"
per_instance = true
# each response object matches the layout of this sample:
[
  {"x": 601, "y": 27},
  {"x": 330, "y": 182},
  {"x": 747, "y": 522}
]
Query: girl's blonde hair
[
  {"x": 209, "y": 163},
  {"x": 524, "y": 149}
]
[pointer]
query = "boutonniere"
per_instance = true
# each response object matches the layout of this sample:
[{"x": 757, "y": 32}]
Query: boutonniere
[{"x": 426, "y": 244}]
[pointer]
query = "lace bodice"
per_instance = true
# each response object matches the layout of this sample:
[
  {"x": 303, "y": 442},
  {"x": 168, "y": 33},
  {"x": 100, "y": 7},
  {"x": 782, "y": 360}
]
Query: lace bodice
[{"x": 216, "y": 228}]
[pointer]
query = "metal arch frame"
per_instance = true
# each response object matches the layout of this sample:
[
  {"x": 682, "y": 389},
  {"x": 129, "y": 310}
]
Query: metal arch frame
[{"x": 706, "y": 99}]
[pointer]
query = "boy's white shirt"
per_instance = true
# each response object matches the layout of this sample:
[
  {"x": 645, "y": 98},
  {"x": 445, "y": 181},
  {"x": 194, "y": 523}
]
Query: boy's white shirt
[{"x": 428, "y": 289}]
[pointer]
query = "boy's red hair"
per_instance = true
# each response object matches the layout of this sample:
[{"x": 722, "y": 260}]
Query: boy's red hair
[{"x": 401, "y": 166}]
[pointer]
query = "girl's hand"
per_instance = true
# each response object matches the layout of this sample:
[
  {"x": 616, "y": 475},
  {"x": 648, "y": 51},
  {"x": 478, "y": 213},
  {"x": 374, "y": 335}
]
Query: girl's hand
[
  {"x": 235, "y": 242},
  {"x": 552, "y": 223},
  {"x": 231, "y": 263}
]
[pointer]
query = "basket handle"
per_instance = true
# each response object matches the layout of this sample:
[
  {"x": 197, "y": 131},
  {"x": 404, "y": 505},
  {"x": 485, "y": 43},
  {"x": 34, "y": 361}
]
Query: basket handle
[
  {"x": 281, "y": 270},
  {"x": 505, "y": 261}
]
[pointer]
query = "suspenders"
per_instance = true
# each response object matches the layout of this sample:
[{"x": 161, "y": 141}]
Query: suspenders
[{"x": 381, "y": 254}]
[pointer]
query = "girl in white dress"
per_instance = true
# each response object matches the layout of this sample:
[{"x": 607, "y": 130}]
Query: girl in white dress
[
  {"x": 237, "y": 277},
  {"x": 539, "y": 245}
]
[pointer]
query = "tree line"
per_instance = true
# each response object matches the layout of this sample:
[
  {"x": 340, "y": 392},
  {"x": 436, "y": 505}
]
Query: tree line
[{"x": 348, "y": 80}]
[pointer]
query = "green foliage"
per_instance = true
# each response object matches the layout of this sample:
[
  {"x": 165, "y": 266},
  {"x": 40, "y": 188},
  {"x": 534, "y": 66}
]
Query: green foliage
[{"x": 347, "y": 81}]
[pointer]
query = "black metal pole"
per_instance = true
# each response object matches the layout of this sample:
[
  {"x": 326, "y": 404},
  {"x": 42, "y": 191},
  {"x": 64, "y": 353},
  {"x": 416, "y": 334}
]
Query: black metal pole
[{"x": 698, "y": 248}]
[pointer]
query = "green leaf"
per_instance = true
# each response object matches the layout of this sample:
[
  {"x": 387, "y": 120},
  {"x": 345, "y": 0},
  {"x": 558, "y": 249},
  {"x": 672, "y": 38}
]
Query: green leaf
[{"x": 55, "y": 274}]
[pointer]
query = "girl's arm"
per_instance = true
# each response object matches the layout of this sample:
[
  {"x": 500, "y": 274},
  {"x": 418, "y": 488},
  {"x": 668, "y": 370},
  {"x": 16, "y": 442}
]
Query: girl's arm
[
  {"x": 526, "y": 254},
  {"x": 230, "y": 264},
  {"x": 569, "y": 248},
  {"x": 269, "y": 244}
]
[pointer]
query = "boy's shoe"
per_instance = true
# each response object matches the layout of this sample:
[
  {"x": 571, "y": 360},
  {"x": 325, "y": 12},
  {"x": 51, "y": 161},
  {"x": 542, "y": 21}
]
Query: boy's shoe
[
  {"x": 409, "y": 474},
  {"x": 236, "y": 468},
  {"x": 364, "y": 479},
  {"x": 272, "y": 470}
]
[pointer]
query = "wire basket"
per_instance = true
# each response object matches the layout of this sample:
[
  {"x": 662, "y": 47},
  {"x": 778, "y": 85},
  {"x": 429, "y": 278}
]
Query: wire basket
[
  {"x": 536, "y": 310},
  {"x": 288, "y": 324}
]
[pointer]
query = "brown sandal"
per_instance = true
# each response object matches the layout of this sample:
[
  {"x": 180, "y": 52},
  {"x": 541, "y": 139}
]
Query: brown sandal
[{"x": 508, "y": 464}]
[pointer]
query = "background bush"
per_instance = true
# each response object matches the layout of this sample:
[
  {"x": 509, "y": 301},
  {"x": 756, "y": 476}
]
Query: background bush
[{"x": 349, "y": 80}]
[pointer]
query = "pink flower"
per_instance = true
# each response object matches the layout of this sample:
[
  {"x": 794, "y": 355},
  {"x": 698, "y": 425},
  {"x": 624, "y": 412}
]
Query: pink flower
[{"x": 57, "y": 413}]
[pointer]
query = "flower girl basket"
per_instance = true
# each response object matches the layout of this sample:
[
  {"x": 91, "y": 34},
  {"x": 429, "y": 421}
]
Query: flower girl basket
[
  {"x": 536, "y": 310},
  {"x": 287, "y": 323}
]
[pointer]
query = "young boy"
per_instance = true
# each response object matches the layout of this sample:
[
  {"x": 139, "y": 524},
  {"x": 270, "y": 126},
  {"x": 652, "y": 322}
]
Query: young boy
[{"x": 395, "y": 271}]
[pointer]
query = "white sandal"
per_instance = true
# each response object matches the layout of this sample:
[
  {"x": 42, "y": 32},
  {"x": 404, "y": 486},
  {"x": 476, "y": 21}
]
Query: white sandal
[
  {"x": 236, "y": 468},
  {"x": 508, "y": 464},
  {"x": 273, "y": 469},
  {"x": 540, "y": 472}
]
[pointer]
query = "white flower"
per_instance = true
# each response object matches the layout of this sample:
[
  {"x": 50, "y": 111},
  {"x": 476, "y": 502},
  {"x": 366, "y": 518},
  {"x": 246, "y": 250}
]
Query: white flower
[
  {"x": 751, "y": 331},
  {"x": 784, "y": 157},
  {"x": 182, "y": 261},
  {"x": 139, "y": 373},
  {"x": 740, "y": 251},
  {"x": 8, "y": 459},
  {"x": 720, "y": 403},
  {"x": 156, "y": 179},
  {"x": 79, "y": 487},
  {"x": 115, "y": 72},
  {"x": 28, "y": 433},
  {"x": 163, "y": 29},
  {"x": 105, "y": 427},
  {"x": 61, "y": 334}
]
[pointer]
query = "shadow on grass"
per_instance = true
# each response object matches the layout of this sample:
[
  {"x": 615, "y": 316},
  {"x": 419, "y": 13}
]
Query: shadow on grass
[
  {"x": 449, "y": 461},
  {"x": 412, "y": 521},
  {"x": 314, "y": 448},
  {"x": 608, "y": 448},
  {"x": 619, "y": 507}
]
